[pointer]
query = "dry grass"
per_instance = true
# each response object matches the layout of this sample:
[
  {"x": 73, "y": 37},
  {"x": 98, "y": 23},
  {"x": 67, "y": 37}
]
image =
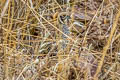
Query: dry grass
[{"x": 59, "y": 40}]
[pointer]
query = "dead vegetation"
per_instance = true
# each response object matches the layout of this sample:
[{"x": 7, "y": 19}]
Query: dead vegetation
[{"x": 59, "y": 40}]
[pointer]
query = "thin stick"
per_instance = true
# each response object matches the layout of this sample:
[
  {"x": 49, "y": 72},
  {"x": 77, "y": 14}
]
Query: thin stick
[{"x": 108, "y": 44}]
